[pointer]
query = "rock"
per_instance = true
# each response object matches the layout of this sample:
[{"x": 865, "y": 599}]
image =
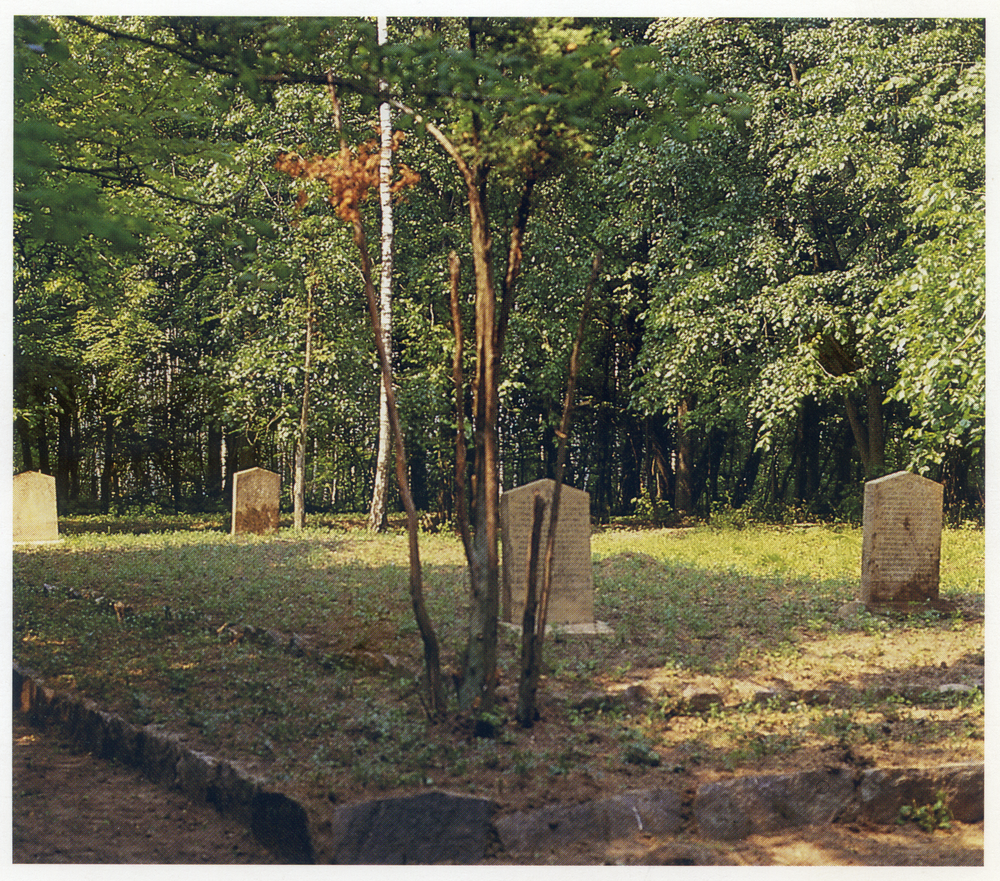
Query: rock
[
  {"x": 636, "y": 697},
  {"x": 282, "y": 825},
  {"x": 658, "y": 812},
  {"x": 697, "y": 700},
  {"x": 966, "y": 794},
  {"x": 196, "y": 774},
  {"x": 957, "y": 688},
  {"x": 276, "y": 638},
  {"x": 748, "y": 805},
  {"x": 232, "y": 792},
  {"x": 432, "y": 827},
  {"x": 769, "y": 696},
  {"x": 883, "y": 791},
  {"x": 159, "y": 753}
]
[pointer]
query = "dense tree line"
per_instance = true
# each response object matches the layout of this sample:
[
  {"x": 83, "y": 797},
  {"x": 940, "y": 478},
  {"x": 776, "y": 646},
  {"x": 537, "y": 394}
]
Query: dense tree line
[{"x": 793, "y": 289}]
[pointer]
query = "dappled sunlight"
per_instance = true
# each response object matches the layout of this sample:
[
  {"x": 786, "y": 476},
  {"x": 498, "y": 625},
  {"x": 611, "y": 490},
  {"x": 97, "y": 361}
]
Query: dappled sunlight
[{"x": 299, "y": 656}]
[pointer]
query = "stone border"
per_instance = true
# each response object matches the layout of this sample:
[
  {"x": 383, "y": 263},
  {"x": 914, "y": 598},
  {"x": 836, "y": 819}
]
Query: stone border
[
  {"x": 436, "y": 826},
  {"x": 277, "y": 821}
]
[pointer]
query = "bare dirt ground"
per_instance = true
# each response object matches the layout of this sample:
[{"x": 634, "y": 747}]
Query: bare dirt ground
[{"x": 69, "y": 807}]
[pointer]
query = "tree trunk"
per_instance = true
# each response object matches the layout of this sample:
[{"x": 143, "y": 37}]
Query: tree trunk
[
  {"x": 380, "y": 492},
  {"x": 24, "y": 436},
  {"x": 74, "y": 459},
  {"x": 748, "y": 473},
  {"x": 870, "y": 435},
  {"x": 432, "y": 652},
  {"x": 299, "y": 488},
  {"x": 64, "y": 447},
  {"x": 876, "y": 429},
  {"x": 213, "y": 463},
  {"x": 476, "y": 690},
  {"x": 807, "y": 450},
  {"x": 42, "y": 433},
  {"x": 533, "y": 643},
  {"x": 684, "y": 489},
  {"x": 107, "y": 472}
]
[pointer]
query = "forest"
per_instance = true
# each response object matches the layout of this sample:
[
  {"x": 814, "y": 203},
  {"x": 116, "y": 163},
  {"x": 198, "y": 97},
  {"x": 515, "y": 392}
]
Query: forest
[{"x": 771, "y": 234}]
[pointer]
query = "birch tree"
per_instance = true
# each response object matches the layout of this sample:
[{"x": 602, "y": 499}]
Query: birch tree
[{"x": 380, "y": 493}]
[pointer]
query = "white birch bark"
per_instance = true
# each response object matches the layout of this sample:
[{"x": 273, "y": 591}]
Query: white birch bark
[{"x": 377, "y": 516}]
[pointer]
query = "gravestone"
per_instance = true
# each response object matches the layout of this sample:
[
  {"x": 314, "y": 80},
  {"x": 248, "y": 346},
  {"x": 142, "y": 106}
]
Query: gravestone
[
  {"x": 255, "y": 501},
  {"x": 571, "y": 597},
  {"x": 34, "y": 498},
  {"x": 901, "y": 549}
]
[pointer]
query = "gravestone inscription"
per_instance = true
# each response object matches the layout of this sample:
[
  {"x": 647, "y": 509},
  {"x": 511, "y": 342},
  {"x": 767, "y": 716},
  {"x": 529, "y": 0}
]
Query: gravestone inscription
[
  {"x": 255, "y": 501},
  {"x": 901, "y": 547},
  {"x": 34, "y": 498},
  {"x": 571, "y": 598}
]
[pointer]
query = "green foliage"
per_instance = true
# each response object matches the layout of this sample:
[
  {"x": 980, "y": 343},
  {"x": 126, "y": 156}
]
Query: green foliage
[
  {"x": 850, "y": 217},
  {"x": 928, "y": 817},
  {"x": 768, "y": 194}
]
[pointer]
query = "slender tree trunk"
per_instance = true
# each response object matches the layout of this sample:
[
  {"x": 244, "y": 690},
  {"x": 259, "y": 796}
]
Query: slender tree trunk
[
  {"x": 748, "y": 473},
  {"x": 876, "y": 429},
  {"x": 476, "y": 691},
  {"x": 42, "y": 433},
  {"x": 380, "y": 492},
  {"x": 64, "y": 448},
  {"x": 299, "y": 489},
  {"x": 432, "y": 653},
  {"x": 24, "y": 436},
  {"x": 859, "y": 431},
  {"x": 684, "y": 490},
  {"x": 107, "y": 472},
  {"x": 74, "y": 458},
  {"x": 533, "y": 643},
  {"x": 213, "y": 462},
  {"x": 461, "y": 504}
]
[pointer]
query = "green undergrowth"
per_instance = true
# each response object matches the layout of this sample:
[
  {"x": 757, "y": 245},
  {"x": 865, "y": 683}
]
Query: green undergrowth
[{"x": 185, "y": 647}]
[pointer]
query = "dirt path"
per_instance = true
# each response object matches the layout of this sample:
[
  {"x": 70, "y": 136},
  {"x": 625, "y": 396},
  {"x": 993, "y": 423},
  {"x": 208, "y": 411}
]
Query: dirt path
[
  {"x": 833, "y": 845},
  {"x": 69, "y": 807}
]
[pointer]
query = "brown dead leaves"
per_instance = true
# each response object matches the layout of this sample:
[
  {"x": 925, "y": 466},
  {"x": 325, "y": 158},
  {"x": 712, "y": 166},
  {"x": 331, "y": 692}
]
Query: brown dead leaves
[{"x": 349, "y": 174}]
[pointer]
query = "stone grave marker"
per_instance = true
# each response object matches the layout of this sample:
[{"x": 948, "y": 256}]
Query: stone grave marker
[
  {"x": 255, "y": 501},
  {"x": 34, "y": 498},
  {"x": 901, "y": 548},
  {"x": 571, "y": 600}
]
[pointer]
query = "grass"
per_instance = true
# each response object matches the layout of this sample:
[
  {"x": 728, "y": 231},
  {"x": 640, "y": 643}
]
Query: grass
[{"x": 188, "y": 648}]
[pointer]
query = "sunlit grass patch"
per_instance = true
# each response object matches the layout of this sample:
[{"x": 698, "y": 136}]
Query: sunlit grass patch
[{"x": 205, "y": 643}]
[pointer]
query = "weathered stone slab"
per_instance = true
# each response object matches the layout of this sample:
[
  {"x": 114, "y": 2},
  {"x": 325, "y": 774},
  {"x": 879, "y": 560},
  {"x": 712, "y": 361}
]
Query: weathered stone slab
[
  {"x": 432, "y": 827},
  {"x": 282, "y": 825},
  {"x": 733, "y": 809},
  {"x": 255, "y": 501},
  {"x": 883, "y": 791},
  {"x": 901, "y": 549},
  {"x": 657, "y": 812},
  {"x": 571, "y": 600},
  {"x": 34, "y": 498}
]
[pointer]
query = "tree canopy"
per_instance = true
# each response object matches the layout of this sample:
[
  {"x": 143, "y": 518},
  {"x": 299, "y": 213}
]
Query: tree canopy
[{"x": 791, "y": 213}]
